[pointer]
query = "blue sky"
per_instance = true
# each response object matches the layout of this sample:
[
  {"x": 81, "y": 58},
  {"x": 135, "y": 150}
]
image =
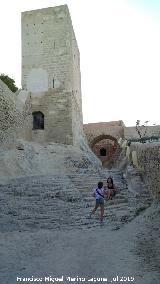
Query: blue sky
[{"x": 150, "y": 7}]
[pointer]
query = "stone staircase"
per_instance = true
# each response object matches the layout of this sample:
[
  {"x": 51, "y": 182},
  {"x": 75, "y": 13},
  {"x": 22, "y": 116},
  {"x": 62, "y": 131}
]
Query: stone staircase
[
  {"x": 113, "y": 208},
  {"x": 63, "y": 202}
]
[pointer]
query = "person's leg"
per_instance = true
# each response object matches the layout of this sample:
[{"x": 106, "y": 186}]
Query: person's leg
[
  {"x": 95, "y": 208},
  {"x": 102, "y": 211}
]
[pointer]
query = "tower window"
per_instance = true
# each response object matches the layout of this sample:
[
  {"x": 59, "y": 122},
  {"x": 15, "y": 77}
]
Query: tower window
[
  {"x": 38, "y": 120},
  {"x": 53, "y": 83},
  {"x": 102, "y": 152}
]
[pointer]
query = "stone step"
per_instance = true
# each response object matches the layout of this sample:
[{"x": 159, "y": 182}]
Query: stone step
[
  {"x": 117, "y": 201},
  {"x": 53, "y": 201},
  {"x": 117, "y": 206}
]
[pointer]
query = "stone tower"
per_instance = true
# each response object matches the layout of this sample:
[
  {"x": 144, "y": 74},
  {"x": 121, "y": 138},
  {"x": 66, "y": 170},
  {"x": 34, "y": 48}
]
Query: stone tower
[{"x": 51, "y": 74}]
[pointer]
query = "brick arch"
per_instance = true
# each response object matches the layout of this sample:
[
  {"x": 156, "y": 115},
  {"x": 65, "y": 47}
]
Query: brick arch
[
  {"x": 102, "y": 137},
  {"x": 104, "y": 146}
]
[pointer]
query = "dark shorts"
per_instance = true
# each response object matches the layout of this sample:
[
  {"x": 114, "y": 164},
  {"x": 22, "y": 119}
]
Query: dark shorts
[{"x": 100, "y": 201}]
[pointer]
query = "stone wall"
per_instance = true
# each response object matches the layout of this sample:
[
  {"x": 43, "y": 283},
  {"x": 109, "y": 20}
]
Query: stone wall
[
  {"x": 146, "y": 158},
  {"x": 117, "y": 129},
  {"x": 114, "y": 129},
  {"x": 51, "y": 73},
  {"x": 13, "y": 117},
  {"x": 77, "y": 116},
  {"x": 57, "y": 109},
  {"x": 46, "y": 52},
  {"x": 131, "y": 133}
]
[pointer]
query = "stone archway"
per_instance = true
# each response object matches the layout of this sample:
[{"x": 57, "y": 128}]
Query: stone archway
[{"x": 104, "y": 147}]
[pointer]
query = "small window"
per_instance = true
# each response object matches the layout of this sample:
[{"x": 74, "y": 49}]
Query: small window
[
  {"x": 38, "y": 120},
  {"x": 53, "y": 83},
  {"x": 103, "y": 152}
]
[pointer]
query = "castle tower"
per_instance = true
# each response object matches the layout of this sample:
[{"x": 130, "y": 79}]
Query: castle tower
[{"x": 51, "y": 73}]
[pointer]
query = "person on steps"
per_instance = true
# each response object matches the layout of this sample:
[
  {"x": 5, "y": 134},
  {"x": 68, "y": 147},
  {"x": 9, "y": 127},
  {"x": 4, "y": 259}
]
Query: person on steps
[
  {"x": 99, "y": 193},
  {"x": 111, "y": 190}
]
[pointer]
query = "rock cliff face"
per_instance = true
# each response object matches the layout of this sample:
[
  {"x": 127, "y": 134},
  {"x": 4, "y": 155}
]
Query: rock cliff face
[{"x": 30, "y": 158}]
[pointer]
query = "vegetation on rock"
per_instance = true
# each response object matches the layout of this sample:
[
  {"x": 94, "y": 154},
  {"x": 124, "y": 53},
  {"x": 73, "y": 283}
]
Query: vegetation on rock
[{"x": 9, "y": 82}]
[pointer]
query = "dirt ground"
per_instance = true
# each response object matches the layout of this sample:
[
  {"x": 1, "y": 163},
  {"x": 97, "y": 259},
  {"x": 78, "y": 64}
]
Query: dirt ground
[{"x": 99, "y": 254}]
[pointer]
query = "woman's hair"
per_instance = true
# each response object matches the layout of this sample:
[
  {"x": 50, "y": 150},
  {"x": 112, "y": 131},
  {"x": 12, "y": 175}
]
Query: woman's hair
[
  {"x": 100, "y": 184},
  {"x": 110, "y": 179}
]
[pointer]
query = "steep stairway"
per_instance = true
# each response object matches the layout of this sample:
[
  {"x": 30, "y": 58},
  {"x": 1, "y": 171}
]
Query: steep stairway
[{"x": 63, "y": 202}]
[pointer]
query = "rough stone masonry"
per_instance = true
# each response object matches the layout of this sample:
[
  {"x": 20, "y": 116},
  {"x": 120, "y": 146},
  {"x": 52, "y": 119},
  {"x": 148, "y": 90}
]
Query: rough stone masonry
[{"x": 51, "y": 74}]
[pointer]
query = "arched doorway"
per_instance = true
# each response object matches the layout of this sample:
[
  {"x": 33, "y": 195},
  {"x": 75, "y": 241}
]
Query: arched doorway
[
  {"x": 38, "y": 120},
  {"x": 103, "y": 152},
  {"x": 104, "y": 147}
]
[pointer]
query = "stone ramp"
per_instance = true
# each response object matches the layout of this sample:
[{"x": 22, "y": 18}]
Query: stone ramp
[{"x": 62, "y": 202}]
